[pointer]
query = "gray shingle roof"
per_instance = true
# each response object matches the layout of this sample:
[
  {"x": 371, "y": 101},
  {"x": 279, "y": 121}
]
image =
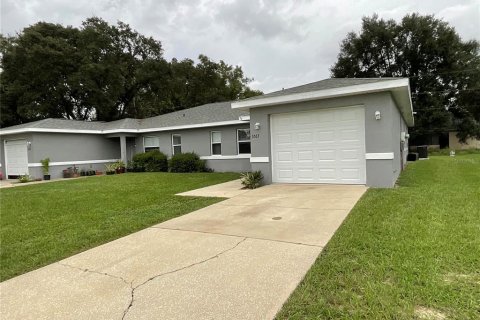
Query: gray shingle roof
[
  {"x": 323, "y": 85},
  {"x": 207, "y": 113},
  {"x": 212, "y": 112},
  {"x": 52, "y": 123}
]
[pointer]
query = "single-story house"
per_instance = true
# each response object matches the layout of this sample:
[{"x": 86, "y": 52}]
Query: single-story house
[{"x": 340, "y": 131}]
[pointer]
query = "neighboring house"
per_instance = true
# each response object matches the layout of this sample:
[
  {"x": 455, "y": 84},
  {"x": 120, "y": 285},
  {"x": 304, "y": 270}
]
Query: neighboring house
[
  {"x": 347, "y": 131},
  {"x": 455, "y": 144}
]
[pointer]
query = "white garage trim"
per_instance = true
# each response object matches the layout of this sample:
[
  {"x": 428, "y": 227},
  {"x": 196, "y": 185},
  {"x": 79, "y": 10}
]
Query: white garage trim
[
  {"x": 319, "y": 146},
  {"x": 379, "y": 156},
  {"x": 74, "y": 162},
  {"x": 25, "y": 157},
  {"x": 259, "y": 159}
]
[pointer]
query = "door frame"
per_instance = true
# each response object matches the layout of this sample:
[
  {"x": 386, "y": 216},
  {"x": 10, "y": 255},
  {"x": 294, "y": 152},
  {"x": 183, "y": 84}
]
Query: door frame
[{"x": 5, "y": 153}]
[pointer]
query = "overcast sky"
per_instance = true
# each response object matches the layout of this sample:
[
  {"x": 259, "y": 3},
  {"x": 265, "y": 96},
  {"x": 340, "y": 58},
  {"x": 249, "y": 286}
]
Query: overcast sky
[{"x": 279, "y": 43}]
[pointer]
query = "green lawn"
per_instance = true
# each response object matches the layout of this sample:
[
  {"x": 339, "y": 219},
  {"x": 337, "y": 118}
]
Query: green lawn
[
  {"x": 43, "y": 223},
  {"x": 403, "y": 253}
]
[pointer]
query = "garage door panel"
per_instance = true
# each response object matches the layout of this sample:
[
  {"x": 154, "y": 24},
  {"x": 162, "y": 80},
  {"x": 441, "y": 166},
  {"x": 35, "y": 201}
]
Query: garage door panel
[
  {"x": 323, "y": 136},
  {"x": 305, "y": 155},
  {"x": 285, "y": 156},
  {"x": 304, "y": 137},
  {"x": 283, "y": 139},
  {"x": 305, "y": 174},
  {"x": 333, "y": 144}
]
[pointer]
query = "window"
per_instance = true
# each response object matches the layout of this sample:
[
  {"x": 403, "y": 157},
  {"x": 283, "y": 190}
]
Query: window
[
  {"x": 151, "y": 143},
  {"x": 176, "y": 143},
  {"x": 216, "y": 139},
  {"x": 243, "y": 140}
]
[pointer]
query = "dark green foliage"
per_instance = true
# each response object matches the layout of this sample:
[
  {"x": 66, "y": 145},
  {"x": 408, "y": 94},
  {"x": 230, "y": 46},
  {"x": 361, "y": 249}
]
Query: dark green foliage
[
  {"x": 104, "y": 72},
  {"x": 252, "y": 180},
  {"x": 443, "y": 70},
  {"x": 151, "y": 161},
  {"x": 187, "y": 162}
]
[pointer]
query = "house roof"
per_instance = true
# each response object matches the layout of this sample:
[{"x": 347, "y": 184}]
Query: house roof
[
  {"x": 211, "y": 114},
  {"x": 336, "y": 87},
  {"x": 227, "y": 113},
  {"x": 331, "y": 83}
]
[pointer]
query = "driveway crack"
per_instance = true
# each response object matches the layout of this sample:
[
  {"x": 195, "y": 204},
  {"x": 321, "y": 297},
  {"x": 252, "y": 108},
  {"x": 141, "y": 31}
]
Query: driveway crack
[
  {"x": 133, "y": 289},
  {"x": 96, "y": 272}
]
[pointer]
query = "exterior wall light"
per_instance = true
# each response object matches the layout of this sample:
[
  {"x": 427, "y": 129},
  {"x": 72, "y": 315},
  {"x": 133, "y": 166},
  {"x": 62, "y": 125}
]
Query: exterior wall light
[
  {"x": 29, "y": 145},
  {"x": 257, "y": 126},
  {"x": 378, "y": 116}
]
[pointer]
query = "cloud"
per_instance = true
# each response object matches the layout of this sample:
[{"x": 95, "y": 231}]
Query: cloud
[{"x": 280, "y": 43}]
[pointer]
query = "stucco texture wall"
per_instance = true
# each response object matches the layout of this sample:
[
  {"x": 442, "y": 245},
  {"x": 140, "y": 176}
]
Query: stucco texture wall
[
  {"x": 198, "y": 140},
  {"x": 382, "y": 136},
  {"x": 65, "y": 147}
]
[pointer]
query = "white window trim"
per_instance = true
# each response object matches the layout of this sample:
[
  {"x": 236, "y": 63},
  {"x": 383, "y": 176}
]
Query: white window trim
[
  {"x": 227, "y": 157},
  {"x": 176, "y": 145},
  {"x": 238, "y": 141},
  {"x": 211, "y": 143},
  {"x": 144, "y": 146}
]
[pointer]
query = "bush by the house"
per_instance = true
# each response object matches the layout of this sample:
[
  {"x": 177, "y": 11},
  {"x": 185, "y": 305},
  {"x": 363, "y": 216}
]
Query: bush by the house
[
  {"x": 187, "y": 162},
  {"x": 151, "y": 161},
  {"x": 25, "y": 178},
  {"x": 252, "y": 180}
]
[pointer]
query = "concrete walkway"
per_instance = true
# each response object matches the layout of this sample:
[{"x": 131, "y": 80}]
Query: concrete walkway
[{"x": 240, "y": 258}]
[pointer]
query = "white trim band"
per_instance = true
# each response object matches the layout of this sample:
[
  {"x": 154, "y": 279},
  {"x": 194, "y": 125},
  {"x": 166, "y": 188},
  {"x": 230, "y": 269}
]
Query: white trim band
[
  {"x": 187, "y": 126},
  {"x": 74, "y": 162},
  {"x": 232, "y": 157},
  {"x": 259, "y": 160},
  {"x": 379, "y": 156}
]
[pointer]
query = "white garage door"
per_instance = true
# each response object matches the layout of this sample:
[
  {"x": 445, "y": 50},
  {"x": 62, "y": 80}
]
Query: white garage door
[
  {"x": 16, "y": 157},
  {"x": 321, "y": 146}
]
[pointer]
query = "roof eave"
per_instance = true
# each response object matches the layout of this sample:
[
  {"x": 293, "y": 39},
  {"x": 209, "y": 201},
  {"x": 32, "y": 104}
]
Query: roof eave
[{"x": 399, "y": 87}]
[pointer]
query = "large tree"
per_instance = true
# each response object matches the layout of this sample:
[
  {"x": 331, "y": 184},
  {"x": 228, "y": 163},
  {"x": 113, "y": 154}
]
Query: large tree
[
  {"x": 104, "y": 72},
  {"x": 444, "y": 71}
]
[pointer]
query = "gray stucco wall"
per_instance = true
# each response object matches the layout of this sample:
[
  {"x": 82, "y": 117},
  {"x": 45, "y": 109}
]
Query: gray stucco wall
[
  {"x": 65, "y": 147},
  {"x": 382, "y": 136},
  {"x": 198, "y": 140}
]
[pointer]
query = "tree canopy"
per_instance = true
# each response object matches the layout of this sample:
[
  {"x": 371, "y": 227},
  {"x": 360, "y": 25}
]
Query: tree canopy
[
  {"x": 104, "y": 72},
  {"x": 444, "y": 71}
]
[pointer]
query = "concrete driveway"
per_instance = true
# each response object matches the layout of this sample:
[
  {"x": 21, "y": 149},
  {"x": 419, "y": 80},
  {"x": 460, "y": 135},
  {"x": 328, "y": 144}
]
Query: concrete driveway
[{"x": 240, "y": 258}]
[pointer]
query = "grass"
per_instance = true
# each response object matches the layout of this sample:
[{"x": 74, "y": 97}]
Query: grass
[
  {"x": 412, "y": 252},
  {"x": 47, "y": 222}
]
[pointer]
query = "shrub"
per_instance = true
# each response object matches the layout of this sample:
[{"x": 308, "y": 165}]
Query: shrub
[
  {"x": 252, "y": 180},
  {"x": 45, "y": 165},
  {"x": 151, "y": 161},
  {"x": 25, "y": 178},
  {"x": 187, "y": 162}
]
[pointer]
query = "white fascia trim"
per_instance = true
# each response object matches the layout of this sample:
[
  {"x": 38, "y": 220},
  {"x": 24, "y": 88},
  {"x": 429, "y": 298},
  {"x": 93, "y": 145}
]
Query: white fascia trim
[
  {"x": 322, "y": 94},
  {"x": 244, "y": 118},
  {"x": 259, "y": 159},
  {"x": 188, "y": 126},
  {"x": 232, "y": 157},
  {"x": 379, "y": 156},
  {"x": 74, "y": 162}
]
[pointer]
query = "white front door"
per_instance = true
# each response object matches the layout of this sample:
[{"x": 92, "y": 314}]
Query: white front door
[
  {"x": 16, "y": 157},
  {"x": 320, "y": 146}
]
